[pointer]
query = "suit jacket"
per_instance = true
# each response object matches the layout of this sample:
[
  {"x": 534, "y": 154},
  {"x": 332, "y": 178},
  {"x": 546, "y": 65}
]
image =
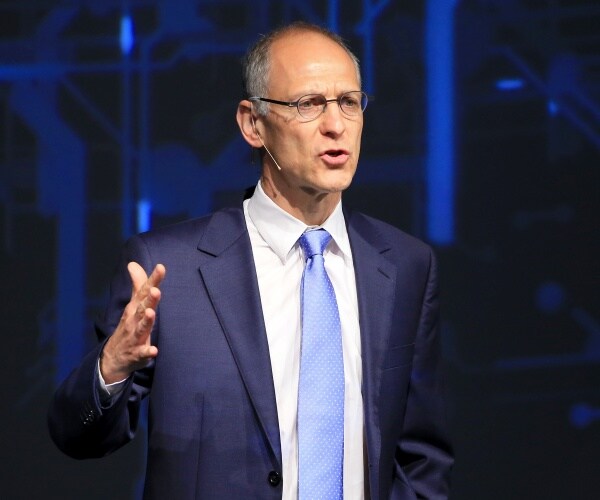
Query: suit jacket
[{"x": 213, "y": 429}]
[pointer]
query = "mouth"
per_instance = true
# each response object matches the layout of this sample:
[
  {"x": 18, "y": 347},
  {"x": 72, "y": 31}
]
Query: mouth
[{"x": 335, "y": 156}]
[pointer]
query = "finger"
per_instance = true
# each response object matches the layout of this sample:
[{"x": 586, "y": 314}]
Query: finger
[
  {"x": 158, "y": 274},
  {"x": 150, "y": 301},
  {"x": 154, "y": 280},
  {"x": 144, "y": 326},
  {"x": 148, "y": 352}
]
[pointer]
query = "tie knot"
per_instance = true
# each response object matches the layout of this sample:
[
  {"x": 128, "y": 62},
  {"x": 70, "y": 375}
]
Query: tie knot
[{"x": 314, "y": 242}]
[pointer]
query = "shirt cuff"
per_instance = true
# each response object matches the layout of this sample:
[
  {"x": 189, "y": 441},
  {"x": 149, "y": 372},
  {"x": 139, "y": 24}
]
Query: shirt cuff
[{"x": 108, "y": 391}]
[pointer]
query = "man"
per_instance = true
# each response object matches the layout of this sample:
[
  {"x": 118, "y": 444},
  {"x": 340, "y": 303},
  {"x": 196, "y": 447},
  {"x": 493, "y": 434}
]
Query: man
[{"x": 223, "y": 355}]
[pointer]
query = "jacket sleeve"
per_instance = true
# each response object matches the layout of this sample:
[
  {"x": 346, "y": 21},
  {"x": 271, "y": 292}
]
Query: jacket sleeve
[
  {"x": 80, "y": 424},
  {"x": 423, "y": 453}
]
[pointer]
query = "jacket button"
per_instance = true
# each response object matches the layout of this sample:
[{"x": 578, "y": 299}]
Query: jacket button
[{"x": 274, "y": 478}]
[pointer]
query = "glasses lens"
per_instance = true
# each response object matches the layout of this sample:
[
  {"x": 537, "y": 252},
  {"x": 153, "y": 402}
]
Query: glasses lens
[
  {"x": 311, "y": 106},
  {"x": 353, "y": 103}
]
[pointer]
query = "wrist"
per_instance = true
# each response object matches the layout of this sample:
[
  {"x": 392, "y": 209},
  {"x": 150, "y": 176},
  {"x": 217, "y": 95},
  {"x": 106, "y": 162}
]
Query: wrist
[{"x": 108, "y": 369}]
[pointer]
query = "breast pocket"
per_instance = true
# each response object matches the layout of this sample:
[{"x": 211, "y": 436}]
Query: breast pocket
[{"x": 399, "y": 356}]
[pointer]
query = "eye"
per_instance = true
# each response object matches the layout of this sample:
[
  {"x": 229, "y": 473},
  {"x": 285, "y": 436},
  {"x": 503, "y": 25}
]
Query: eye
[
  {"x": 310, "y": 101},
  {"x": 349, "y": 101}
]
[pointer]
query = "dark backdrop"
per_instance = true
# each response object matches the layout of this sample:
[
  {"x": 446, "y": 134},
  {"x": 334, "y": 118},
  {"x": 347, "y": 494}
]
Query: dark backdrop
[{"x": 483, "y": 138}]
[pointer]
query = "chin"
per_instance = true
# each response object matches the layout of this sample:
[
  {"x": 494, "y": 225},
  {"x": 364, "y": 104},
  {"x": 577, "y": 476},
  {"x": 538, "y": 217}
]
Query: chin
[
  {"x": 324, "y": 189},
  {"x": 341, "y": 182},
  {"x": 329, "y": 182}
]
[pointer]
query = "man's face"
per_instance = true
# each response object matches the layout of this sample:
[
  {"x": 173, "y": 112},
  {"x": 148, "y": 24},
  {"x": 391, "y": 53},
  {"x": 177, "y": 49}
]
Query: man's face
[{"x": 320, "y": 156}]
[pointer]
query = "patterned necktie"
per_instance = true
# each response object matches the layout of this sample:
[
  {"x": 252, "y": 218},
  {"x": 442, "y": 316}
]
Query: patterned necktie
[{"x": 321, "y": 386}]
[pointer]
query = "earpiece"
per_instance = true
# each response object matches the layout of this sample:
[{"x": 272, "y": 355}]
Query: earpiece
[{"x": 263, "y": 143}]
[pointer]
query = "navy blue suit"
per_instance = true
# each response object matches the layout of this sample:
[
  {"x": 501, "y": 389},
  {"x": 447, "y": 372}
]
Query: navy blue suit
[{"x": 213, "y": 428}]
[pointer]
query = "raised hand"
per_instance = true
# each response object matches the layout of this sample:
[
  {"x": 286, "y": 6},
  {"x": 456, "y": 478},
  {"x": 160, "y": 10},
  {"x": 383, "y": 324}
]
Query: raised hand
[{"x": 129, "y": 349}]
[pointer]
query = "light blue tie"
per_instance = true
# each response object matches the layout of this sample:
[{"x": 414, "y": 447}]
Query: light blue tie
[{"x": 321, "y": 386}]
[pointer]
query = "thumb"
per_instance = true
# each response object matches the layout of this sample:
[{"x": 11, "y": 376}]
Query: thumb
[{"x": 138, "y": 277}]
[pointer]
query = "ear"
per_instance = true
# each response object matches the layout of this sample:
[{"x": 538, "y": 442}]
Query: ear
[{"x": 247, "y": 124}]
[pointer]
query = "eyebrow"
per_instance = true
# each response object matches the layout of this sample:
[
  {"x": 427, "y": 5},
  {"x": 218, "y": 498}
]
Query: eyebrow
[{"x": 314, "y": 92}]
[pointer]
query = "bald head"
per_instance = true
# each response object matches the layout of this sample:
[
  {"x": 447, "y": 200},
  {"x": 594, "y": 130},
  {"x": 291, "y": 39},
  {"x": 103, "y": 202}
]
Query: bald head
[{"x": 258, "y": 62}]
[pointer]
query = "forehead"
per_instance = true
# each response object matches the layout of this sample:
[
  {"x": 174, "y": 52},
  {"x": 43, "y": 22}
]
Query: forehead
[{"x": 302, "y": 59}]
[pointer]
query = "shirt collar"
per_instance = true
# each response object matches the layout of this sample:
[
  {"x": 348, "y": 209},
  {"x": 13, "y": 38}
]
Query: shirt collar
[{"x": 281, "y": 230}]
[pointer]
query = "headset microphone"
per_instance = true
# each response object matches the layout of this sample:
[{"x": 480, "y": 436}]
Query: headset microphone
[{"x": 264, "y": 145}]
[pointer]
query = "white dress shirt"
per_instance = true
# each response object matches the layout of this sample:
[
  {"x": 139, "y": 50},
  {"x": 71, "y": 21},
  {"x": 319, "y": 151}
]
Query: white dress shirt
[{"x": 279, "y": 265}]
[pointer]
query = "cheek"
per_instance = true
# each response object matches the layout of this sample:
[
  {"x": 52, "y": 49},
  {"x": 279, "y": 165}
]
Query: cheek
[
  {"x": 297, "y": 142},
  {"x": 359, "y": 130}
]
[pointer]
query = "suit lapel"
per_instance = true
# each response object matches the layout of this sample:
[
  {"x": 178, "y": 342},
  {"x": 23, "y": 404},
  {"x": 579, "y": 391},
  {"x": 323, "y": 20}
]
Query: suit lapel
[
  {"x": 228, "y": 272},
  {"x": 229, "y": 275},
  {"x": 375, "y": 284}
]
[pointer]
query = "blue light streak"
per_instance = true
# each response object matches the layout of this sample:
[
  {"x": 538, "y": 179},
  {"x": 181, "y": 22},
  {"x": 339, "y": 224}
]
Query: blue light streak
[
  {"x": 144, "y": 215},
  {"x": 126, "y": 38},
  {"x": 508, "y": 84}
]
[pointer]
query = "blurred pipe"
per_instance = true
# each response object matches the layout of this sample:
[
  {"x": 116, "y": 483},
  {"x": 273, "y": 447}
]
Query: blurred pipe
[
  {"x": 333, "y": 16},
  {"x": 440, "y": 175}
]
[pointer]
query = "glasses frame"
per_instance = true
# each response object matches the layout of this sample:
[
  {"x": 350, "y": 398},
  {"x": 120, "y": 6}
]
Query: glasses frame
[{"x": 295, "y": 104}]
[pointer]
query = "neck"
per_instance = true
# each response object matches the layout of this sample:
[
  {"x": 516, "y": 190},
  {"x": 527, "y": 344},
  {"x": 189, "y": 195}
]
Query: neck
[{"x": 312, "y": 208}]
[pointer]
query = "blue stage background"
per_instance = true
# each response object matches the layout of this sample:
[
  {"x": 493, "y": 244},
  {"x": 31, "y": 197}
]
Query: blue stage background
[{"x": 482, "y": 138}]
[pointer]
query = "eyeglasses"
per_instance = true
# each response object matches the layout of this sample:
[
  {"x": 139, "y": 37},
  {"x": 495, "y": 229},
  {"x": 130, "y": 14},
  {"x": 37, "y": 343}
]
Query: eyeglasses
[{"x": 313, "y": 105}]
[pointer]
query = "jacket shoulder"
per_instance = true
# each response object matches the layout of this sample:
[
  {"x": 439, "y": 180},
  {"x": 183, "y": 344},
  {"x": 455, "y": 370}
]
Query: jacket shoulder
[
  {"x": 228, "y": 221},
  {"x": 387, "y": 235}
]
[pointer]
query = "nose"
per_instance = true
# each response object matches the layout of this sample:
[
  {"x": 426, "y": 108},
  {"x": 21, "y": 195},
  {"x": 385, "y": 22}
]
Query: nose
[{"x": 333, "y": 122}]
